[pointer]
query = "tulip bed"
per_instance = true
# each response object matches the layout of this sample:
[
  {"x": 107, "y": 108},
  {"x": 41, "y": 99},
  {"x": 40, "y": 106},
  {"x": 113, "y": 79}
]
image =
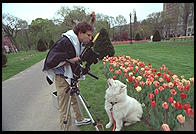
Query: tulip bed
[{"x": 166, "y": 98}]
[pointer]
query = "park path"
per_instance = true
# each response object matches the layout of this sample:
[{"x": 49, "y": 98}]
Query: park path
[{"x": 27, "y": 103}]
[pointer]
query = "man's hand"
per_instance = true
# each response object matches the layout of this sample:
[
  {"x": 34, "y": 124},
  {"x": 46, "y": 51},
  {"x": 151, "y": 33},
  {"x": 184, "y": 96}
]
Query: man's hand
[
  {"x": 72, "y": 60},
  {"x": 75, "y": 59}
]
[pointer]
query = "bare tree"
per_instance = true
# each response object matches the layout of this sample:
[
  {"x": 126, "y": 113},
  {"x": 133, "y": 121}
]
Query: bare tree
[
  {"x": 11, "y": 25},
  {"x": 69, "y": 17},
  {"x": 112, "y": 23},
  {"x": 120, "y": 20}
]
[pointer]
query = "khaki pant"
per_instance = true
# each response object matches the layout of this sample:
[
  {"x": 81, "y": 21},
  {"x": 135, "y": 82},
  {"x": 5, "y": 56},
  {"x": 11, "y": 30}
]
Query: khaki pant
[{"x": 63, "y": 98}]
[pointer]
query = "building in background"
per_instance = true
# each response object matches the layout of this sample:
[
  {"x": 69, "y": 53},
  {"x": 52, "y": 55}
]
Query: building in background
[
  {"x": 179, "y": 19},
  {"x": 7, "y": 45}
]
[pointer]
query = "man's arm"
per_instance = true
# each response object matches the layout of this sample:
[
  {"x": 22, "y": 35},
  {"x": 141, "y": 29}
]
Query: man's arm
[{"x": 92, "y": 15}]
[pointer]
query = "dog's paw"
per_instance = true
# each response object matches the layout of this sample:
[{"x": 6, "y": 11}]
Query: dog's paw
[
  {"x": 108, "y": 125},
  {"x": 127, "y": 123},
  {"x": 117, "y": 129}
]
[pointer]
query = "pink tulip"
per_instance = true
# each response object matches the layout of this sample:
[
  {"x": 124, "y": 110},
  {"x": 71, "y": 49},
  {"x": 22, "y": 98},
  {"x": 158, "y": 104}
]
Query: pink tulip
[
  {"x": 165, "y": 127},
  {"x": 165, "y": 105}
]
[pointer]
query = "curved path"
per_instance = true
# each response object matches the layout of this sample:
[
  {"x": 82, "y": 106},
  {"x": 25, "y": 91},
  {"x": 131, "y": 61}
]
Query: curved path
[{"x": 27, "y": 102}]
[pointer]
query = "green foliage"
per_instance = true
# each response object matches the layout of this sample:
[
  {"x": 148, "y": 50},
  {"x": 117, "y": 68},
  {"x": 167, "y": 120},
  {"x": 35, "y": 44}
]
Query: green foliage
[
  {"x": 4, "y": 59},
  {"x": 137, "y": 37},
  {"x": 41, "y": 45},
  {"x": 103, "y": 44},
  {"x": 156, "y": 36},
  {"x": 51, "y": 44}
]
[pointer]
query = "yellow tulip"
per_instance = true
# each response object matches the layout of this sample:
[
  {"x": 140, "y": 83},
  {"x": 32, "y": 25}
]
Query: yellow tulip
[
  {"x": 181, "y": 118},
  {"x": 138, "y": 88}
]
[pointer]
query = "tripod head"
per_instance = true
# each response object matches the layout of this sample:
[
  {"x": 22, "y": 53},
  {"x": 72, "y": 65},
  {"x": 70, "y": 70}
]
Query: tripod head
[{"x": 82, "y": 70}]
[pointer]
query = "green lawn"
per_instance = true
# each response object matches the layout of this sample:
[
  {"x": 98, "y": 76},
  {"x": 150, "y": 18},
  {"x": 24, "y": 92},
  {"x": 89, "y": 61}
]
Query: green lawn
[
  {"x": 17, "y": 62},
  {"x": 177, "y": 56}
]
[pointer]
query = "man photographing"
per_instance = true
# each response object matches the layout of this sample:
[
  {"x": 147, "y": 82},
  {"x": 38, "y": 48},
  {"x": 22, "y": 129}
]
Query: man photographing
[{"x": 69, "y": 46}]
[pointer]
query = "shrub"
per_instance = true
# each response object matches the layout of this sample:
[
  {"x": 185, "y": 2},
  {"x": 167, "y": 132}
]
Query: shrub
[
  {"x": 137, "y": 37},
  {"x": 103, "y": 45},
  {"x": 4, "y": 60},
  {"x": 156, "y": 36},
  {"x": 41, "y": 46},
  {"x": 51, "y": 44}
]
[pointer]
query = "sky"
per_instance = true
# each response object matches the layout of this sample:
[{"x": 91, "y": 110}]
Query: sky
[{"x": 31, "y": 11}]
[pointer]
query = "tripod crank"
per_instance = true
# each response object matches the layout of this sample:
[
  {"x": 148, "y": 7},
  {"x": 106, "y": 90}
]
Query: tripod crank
[{"x": 93, "y": 122}]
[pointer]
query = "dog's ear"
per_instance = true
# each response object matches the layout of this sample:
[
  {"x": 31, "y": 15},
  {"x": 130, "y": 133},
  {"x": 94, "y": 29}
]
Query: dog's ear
[{"x": 122, "y": 88}]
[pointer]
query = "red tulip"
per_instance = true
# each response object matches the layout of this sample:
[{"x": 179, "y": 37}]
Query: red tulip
[
  {"x": 126, "y": 74},
  {"x": 161, "y": 88},
  {"x": 111, "y": 69},
  {"x": 141, "y": 64},
  {"x": 187, "y": 87},
  {"x": 186, "y": 106},
  {"x": 156, "y": 83},
  {"x": 150, "y": 96},
  {"x": 170, "y": 99},
  {"x": 140, "y": 72},
  {"x": 149, "y": 64},
  {"x": 165, "y": 105},
  {"x": 165, "y": 85},
  {"x": 180, "y": 87},
  {"x": 142, "y": 83},
  {"x": 130, "y": 78},
  {"x": 153, "y": 103},
  {"x": 173, "y": 92},
  {"x": 118, "y": 71},
  {"x": 178, "y": 105},
  {"x": 156, "y": 91},
  {"x": 183, "y": 95},
  {"x": 189, "y": 112},
  {"x": 159, "y": 74}
]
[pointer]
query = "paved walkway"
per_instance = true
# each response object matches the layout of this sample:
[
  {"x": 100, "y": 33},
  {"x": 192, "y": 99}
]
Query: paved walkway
[{"x": 27, "y": 102}]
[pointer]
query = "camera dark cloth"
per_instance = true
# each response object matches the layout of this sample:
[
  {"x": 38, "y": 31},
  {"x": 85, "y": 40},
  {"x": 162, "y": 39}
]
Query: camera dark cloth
[{"x": 61, "y": 50}]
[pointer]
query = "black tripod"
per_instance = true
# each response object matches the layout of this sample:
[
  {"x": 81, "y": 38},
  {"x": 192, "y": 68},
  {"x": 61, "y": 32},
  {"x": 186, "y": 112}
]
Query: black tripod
[{"x": 74, "y": 89}]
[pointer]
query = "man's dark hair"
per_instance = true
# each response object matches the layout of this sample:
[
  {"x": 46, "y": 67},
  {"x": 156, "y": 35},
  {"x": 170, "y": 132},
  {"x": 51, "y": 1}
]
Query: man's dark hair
[{"x": 83, "y": 27}]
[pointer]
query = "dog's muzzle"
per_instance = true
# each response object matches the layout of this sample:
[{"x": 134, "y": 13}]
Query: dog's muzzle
[{"x": 113, "y": 103}]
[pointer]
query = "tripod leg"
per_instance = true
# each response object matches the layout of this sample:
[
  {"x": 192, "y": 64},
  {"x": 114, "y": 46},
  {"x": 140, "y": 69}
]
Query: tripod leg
[
  {"x": 88, "y": 106},
  {"x": 76, "y": 104},
  {"x": 67, "y": 114},
  {"x": 94, "y": 123}
]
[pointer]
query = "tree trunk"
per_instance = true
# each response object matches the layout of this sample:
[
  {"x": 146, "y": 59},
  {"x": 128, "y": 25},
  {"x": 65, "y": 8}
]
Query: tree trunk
[
  {"x": 185, "y": 24},
  {"x": 15, "y": 45},
  {"x": 27, "y": 38}
]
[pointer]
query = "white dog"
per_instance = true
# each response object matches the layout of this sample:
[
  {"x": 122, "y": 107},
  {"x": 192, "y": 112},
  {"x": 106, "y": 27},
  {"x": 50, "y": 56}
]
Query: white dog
[{"x": 125, "y": 109}]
